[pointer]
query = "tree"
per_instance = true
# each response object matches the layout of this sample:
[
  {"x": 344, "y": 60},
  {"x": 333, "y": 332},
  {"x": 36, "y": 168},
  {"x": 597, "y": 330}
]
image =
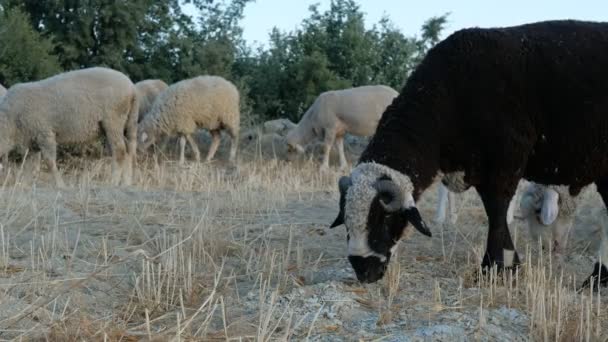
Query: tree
[
  {"x": 24, "y": 54},
  {"x": 330, "y": 49},
  {"x": 431, "y": 30},
  {"x": 123, "y": 35},
  {"x": 395, "y": 55},
  {"x": 333, "y": 50}
]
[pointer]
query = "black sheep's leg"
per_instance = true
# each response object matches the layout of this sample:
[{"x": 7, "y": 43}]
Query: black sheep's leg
[
  {"x": 600, "y": 271},
  {"x": 500, "y": 250}
]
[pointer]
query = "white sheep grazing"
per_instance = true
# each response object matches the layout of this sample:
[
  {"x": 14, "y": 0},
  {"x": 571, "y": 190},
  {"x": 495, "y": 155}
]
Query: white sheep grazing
[
  {"x": 209, "y": 102},
  {"x": 73, "y": 107},
  {"x": 335, "y": 113},
  {"x": 147, "y": 92},
  {"x": 548, "y": 209}
]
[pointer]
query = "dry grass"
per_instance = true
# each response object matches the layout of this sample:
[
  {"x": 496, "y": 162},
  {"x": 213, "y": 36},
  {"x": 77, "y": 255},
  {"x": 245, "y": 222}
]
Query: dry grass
[{"x": 214, "y": 252}]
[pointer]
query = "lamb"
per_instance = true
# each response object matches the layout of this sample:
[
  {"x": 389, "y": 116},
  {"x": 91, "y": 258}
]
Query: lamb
[
  {"x": 485, "y": 107},
  {"x": 335, "y": 113},
  {"x": 73, "y": 107},
  {"x": 147, "y": 92},
  {"x": 209, "y": 102},
  {"x": 548, "y": 209}
]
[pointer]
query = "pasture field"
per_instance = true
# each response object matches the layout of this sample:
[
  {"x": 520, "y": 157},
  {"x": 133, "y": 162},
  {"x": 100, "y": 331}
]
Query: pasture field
[{"x": 216, "y": 252}]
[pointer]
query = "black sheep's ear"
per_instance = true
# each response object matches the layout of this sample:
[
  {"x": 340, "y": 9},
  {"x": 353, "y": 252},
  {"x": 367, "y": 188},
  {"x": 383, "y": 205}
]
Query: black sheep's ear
[
  {"x": 338, "y": 221},
  {"x": 343, "y": 185},
  {"x": 413, "y": 216}
]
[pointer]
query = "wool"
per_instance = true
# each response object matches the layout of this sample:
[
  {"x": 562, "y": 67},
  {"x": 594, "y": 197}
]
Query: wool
[
  {"x": 71, "y": 107},
  {"x": 361, "y": 193},
  {"x": 209, "y": 102},
  {"x": 147, "y": 92},
  {"x": 337, "y": 112}
]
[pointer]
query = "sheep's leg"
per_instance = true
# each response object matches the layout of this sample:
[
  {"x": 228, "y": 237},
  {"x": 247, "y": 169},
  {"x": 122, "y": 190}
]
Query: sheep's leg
[
  {"x": 446, "y": 203},
  {"x": 500, "y": 250},
  {"x": 327, "y": 143},
  {"x": 600, "y": 271},
  {"x": 215, "y": 143},
  {"x": 234, "y": 143},
  {"x": 537, "y": 231},
  {"x": 37, "y": 159},
  {"x": 340, "y": 146},
  {"x": 182, "y": 150},
  {"x": 48, "y": 149},
  {"x": 129, "y": 162},
  {"x": 452, "y": 209},
  {"x": 194, "y": 146},
  {"x": 130, "y": 133},
  {"x": 119, "y": 156},
  {"x": 561, "y": 230},
  {"x": 511, "y": 209},
  {"x": 442, "y": 203}
]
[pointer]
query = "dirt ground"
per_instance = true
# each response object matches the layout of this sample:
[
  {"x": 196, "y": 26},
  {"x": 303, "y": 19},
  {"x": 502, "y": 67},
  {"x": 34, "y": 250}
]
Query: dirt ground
[{"x": 219, "y": 252}]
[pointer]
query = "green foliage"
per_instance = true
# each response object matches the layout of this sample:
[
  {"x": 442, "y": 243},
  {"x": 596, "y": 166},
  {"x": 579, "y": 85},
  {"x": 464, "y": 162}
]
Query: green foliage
[
  {"x": 334, "y": 50},
  {"x": 155, "y": 39},
  {"x": 24, "y": 55}
]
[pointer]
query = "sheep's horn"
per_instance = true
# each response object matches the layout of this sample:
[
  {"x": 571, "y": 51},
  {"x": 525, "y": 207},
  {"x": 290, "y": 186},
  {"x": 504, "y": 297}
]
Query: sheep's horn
[
  {"x": 344, "y": 183},
  {"x": 388, "y": 189}
]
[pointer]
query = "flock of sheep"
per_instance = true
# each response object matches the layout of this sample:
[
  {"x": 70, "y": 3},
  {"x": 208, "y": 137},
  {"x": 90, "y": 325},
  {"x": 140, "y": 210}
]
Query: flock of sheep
[
  {"x": 80, "y": 106},
  {"x": 430, "y": 131}
]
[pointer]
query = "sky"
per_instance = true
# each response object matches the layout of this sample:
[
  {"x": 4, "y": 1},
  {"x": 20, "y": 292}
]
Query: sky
[{"x": 262, "y": 15}]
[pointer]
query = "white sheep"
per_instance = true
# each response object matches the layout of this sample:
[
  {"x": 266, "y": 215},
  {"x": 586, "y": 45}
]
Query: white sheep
[
  {"x": 335, "y": 113},
  {"x": 209, "y": 102},
  {"x": 147, "y": 92},
  {"x": 548, "y": 210},
  {"x": 73, "y": 107},
  {"x": 278, "y": 126},
  {"x": 544, "y": 209}
]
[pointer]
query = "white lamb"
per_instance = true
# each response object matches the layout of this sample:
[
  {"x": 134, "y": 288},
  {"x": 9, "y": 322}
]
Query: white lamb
[
  {"x": 209, "y": 102},
  {"x": 147, "y": 92},
  {"x": 73, "y": 107},
  {"x": 548, "y": 210},
  {"x": 335, "y": 113}
]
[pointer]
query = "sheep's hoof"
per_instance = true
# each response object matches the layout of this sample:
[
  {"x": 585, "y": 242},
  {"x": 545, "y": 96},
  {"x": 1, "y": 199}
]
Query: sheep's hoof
[
  {"x": 509, "y": 260},
  {"x": 495, "y": 274},
  {"x": 600, "y": 272}
]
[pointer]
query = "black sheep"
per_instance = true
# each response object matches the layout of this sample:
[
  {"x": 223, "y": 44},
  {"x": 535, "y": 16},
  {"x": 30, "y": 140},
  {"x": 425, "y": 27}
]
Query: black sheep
[{"x": 485, "y": 107}]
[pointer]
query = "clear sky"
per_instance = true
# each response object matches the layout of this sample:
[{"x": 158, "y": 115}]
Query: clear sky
[{"x": 262, "y": 15}]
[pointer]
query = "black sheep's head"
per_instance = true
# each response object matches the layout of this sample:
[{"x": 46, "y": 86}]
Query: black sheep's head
[{"x": 375, "y": 216}]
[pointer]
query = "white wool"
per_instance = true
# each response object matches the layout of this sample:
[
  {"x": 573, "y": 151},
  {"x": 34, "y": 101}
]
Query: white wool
[
  {"x": 537, "y": 194},
  {"x": 455, "y": 181},
  {"x": 557, "y": 212},
  {"x": 360, "y": 195},
  {"x": 358, "y": 201}
]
